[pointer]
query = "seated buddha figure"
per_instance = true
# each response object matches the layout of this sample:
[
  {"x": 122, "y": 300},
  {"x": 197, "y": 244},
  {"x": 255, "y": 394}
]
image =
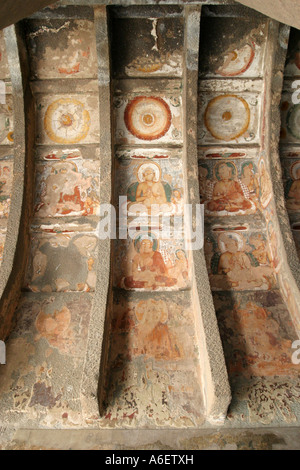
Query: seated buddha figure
[
  {"x": 227, "y": 194},
  {"x": 149, "y": 194},
  {"x": 242, "y": 271},
  {"x": 153, "y": 337},
  {"x": 148, "y": 269}
]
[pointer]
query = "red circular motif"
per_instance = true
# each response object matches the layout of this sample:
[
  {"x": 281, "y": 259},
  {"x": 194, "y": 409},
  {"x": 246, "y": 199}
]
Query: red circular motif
[{"x": 147, "y": 117}]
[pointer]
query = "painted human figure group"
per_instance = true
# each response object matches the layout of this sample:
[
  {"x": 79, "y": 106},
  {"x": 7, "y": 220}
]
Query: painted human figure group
[{"x": 226, "y": 193}]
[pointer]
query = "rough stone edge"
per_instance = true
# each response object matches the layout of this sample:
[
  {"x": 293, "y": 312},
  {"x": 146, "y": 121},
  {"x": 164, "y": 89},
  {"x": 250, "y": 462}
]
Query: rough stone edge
[
  {"x": 217, "y": 393},
  {"x": 94, "y": 367},
  {"x": 276, "y": 55},
  {"x": 286, "y": 11},
  {"x": 17, "y": 238},
  {"x": 265, "y": 438},
  {"x": 18, "y": 9},
  {"x": 143, "y": 2}
]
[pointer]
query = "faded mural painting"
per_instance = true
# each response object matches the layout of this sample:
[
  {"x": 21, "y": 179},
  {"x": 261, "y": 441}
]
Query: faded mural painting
[
  {"x": 289, "y": 141},
  {"x": 153, "y": 367},
  {"x": 54, "y": 309},
  {"x": 153, "y": 372},
  {"x": 67, "y": 172},
  {"x": 289, "y": 154},
  {"x": 153, "y": 364},
  {"x": 6, "y": 143},
  {"x": 242, "y": 236}
]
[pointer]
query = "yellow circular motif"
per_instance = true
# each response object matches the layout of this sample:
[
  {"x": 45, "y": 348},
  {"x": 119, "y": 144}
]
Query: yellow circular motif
[
  {"x": 66, "y": 121},
  {"x": 227, "y": 117},
  {"x": 10, "y": 136}
]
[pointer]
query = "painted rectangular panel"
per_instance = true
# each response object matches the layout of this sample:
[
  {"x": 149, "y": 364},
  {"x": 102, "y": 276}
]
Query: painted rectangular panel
[
  {"x": 6, "y": 179},
  {"x": 61, "y": 321},
  {"x": 148, "y": 114},
  {"x": 67, "y": 188},
  {"x": 49, "y": 153},
  {"x": 232, "y": 47},
  {"x": 67, "y": 119},
  {"x": 257, "y": 334},
  {"x": 151, "y": 260},
  {"x": 224, "y": 153},
  {"x": 153, "y": 374},
  {"x": 147, "y": 47},
  {"x": 239, "y": 259},
  {"x": 290, "y": 112},
  {"x": 72, "y": 225},
  {"x": 62, "y": 49},
  {"x": 291, "y": 180},
  {"x": 7, "y": 121},
  {"x": 152, "y": 182},
  {"x": 55, "y": 330},
  {"x": 229, "y": 186},
  {"x": 62, "y": 262},
  {"x": 230, "y": 118}
]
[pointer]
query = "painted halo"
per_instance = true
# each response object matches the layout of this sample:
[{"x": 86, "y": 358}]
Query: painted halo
[
  {"x": 235, "y": 236},
  {"x": 225, "y": 163},
  {"x": 147, "y": 117},
  {"x": 237, "y": 62},
  {"x": 294, "y": 168},
  {"x": 227, "y": 117},
  {"x": 153, "y": 166},
  {"x": 145, "y": 236},
  {"x": 66, "y": 121},
  {"x": 293, "y": 121}
]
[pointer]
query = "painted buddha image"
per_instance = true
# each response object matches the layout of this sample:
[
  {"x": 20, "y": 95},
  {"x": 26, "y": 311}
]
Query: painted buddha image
[
  {"x": 151, "y": 195},
  {"x": 254, "y": 324},
  {"x": 146, "y": 268},
  {"x": 228, "y": 194},
  {"x": 152, "y": 335},
  {"x": 56, "y": 328},
  {"x": 293, "y": 188},
  {"x": 240, "y": 269}
]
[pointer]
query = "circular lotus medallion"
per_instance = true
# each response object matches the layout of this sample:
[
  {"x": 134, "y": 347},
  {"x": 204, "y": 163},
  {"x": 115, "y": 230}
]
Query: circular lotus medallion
[
  {"x": 147, "y": 117},
  {"x": 293, "y": 121},
  {"x": 227, "y": 117},
  {"x": 66, "y": 121},
  {"x": 237, "y": 61}
]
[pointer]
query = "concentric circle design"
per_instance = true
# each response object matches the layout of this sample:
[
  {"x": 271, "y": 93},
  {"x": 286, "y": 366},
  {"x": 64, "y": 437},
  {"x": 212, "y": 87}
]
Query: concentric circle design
[
  {"x": 227, "y": 117},
  {"x": 67, "y": 121},
  {"x": 148, "y": 117},
  {"x": 293, "y": 121},
  {"x": 237, "y": 61}
]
